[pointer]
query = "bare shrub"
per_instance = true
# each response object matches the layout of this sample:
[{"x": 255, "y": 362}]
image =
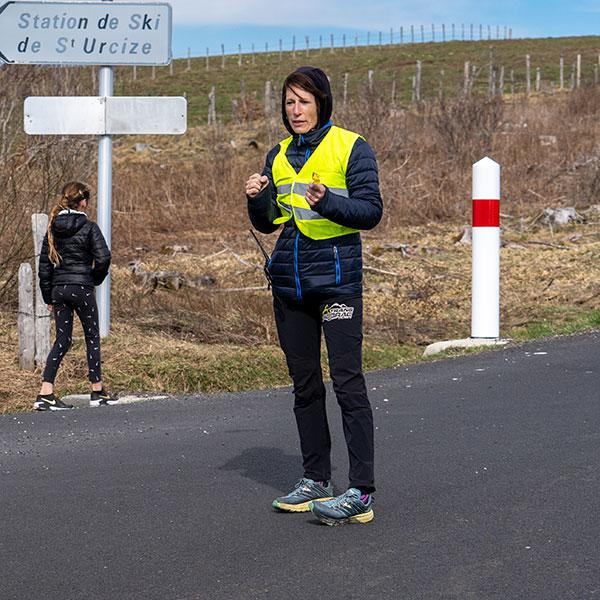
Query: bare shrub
[
  {"x": 465, "y": 126},
  {"x": 32, "y": 168}
]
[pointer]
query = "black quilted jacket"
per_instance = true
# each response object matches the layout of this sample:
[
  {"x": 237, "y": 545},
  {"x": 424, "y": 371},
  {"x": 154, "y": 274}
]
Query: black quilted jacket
[
  {"x": 85, "y": 257},
  {"x": 301, "y": 267}
]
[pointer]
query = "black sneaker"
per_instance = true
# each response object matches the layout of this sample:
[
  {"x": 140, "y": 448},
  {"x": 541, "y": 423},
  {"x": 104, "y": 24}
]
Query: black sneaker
[
  {"x": 102, "y": 398},
  {"x": 50, "y": 402}
]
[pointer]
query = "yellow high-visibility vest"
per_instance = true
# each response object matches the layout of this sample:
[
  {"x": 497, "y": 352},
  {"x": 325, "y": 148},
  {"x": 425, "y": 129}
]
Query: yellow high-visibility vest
[{"x": 329, "y": 161}]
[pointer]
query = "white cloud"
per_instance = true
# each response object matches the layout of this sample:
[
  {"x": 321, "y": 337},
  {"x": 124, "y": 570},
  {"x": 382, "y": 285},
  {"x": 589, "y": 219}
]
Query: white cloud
[{"x": 320, "y": 13}]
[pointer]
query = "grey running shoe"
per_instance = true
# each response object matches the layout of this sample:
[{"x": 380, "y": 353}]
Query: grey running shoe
[
  {"x": 50, "y": 402},
  {"x": 304, "y": 492},
  {"x": 347, "y": 508}
]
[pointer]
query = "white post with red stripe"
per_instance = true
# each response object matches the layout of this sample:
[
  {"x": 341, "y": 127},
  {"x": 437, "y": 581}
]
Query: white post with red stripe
[{"x": 485, "y": 310}]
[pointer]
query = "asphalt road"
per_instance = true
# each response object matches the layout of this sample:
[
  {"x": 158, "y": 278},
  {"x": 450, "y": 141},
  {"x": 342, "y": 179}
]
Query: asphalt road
[{"x": 487, "y": 467}]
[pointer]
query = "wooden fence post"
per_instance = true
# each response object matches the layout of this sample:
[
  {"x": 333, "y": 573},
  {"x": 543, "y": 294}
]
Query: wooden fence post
[
  {"x": 562, "y": 72},
  {"x": 268, "y": 107},
  {"x": 528, "y": 73},
  {"x": 467, "y": 78},
  {"x": 207, "y": 66},
  {"x": 212, "y": 111},
  {"x": 222, "y": 56},
  {"x": 578, "y": 70},
  {"x": 26, "y": 319},
  {"x": 501, "y": 82},
  {"x": 39, "y": 225},
  {"x": 345, "y": 96},
  {"x": 418, "y": 82},
  {"x": 538, "y": 79},
  {"x": 189, "y": 59},
  {"x": 370, "y": 78}
]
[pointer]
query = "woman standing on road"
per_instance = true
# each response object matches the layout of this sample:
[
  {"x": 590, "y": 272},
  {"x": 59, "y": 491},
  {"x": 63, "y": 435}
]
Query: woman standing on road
[
  {"x": 322, "y": 184},
  {"x": 74, "y": 258}
]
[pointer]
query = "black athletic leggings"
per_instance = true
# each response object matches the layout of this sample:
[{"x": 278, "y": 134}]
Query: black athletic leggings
[
  {"x": 299, "y": 325},
  {"x": 67, "y": 299}
]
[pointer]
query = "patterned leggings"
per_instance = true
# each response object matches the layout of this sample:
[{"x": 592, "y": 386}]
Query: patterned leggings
[{"x": 67, "y": 299}]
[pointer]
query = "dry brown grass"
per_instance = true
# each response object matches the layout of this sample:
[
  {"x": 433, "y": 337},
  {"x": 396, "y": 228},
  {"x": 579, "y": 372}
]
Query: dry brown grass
[
  {"x": 206, "y": 340},
  {"x": 188, "y": 191}
]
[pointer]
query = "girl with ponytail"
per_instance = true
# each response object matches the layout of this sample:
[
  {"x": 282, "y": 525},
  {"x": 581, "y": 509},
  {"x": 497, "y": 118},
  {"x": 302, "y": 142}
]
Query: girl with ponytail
[{"x": 74, "y": 258}]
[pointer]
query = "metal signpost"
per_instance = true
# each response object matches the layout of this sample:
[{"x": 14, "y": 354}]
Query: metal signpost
[{"x": 94, "y": 33}]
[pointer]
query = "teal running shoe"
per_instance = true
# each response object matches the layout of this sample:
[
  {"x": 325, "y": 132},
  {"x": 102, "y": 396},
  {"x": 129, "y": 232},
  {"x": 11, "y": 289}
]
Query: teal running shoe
[
  {"x": 347, "y": 508},
  {"x": 304, "y": 492}
]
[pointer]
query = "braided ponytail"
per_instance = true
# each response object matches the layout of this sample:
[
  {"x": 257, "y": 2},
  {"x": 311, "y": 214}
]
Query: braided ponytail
[{"x": 72, "y": 194}]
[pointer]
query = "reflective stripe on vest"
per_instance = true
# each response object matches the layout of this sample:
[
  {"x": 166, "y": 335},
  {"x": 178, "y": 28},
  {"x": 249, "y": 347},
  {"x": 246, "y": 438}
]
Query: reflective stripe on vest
[{"x": 330, "y": 162}]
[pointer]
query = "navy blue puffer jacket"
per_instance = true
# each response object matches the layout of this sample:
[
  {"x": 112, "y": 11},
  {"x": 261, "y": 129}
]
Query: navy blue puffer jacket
[{"x": 300, "y": 266}]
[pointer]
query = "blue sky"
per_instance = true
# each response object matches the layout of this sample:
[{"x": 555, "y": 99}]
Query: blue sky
[{"x": 199, "y": 24}]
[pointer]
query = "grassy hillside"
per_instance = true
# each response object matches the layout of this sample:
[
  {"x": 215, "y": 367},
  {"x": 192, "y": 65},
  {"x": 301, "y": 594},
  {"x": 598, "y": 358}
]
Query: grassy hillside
[{"x": 388, "y": 62}]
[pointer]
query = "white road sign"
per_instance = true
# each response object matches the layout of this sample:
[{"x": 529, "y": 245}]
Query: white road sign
[
  {"x": 79, "y": 33},
  {"x": 110, "y": 115}
]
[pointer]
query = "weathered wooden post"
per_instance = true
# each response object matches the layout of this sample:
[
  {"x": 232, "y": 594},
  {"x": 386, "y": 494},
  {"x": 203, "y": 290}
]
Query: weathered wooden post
[
  {"x": 345, "y": 95},
  {"x": 418, "y": 82},
  {"x": 39, "y": 224},
  {"x": 268, "y": 107},
  {"x": 26, "y": 319},
  {"x": 212, "y": 111},
  {"x": 467, "y": 78},
  {"x": 562, "y": 72}
]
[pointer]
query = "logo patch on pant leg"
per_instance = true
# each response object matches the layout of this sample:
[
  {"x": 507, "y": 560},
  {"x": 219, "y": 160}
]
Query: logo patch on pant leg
[{"x": 337, "y": 311}]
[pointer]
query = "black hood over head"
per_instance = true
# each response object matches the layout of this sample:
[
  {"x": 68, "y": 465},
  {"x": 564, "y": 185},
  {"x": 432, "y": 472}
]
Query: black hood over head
[
  {"x": 318, "y": 77},
  {"x": 68, "y": 224}
]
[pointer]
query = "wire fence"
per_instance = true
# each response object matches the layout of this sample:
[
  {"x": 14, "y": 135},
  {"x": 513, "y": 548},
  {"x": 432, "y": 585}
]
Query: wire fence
[{"x": 412, "y": 34}]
